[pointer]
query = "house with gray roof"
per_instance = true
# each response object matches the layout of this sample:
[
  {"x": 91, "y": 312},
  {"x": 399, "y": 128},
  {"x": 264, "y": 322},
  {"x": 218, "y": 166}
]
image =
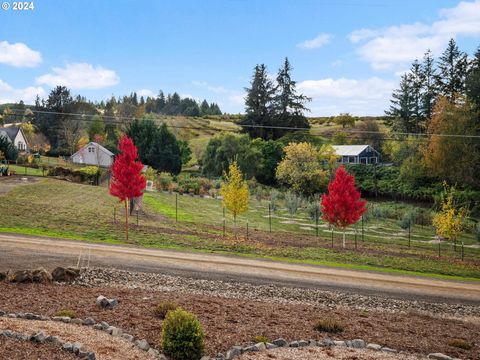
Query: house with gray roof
[
  {"x": 356, "y": 154},
  {"x": 16, "y": 136}
]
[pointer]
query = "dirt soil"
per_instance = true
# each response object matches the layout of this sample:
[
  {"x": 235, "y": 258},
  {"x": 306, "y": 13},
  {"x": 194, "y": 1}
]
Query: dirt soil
[
  {"x": 7, "y": 183},
  {"x": 13, "y": 349},
  {"x": 229, "y": 322}
]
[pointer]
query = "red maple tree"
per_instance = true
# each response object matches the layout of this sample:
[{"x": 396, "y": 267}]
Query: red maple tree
[
  {"x": 343, "y": 205},
  {"x": 127, "y": 179}
]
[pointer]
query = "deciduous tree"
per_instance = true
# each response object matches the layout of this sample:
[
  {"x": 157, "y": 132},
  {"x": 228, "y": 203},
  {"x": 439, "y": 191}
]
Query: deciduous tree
[
  {"x": 234, "y": 191},
  {"x": 342, "y": 206},
  {"x": 127, "y": 181}
]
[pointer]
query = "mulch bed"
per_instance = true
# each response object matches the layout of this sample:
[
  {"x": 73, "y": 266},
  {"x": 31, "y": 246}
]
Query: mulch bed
[
  {"x": 13, "y": 349},
  {"x": 229, "y": 322}
]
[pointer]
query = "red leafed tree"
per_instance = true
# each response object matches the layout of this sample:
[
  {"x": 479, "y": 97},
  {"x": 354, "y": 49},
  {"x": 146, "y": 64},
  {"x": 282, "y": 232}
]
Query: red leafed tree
[
  {"x": 127, "y": 179},
  {"x": 343, "y": 205}
]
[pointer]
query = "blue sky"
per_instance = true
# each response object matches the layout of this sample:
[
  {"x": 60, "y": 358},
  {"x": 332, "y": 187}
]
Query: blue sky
[{"x": 347, "y": 54}]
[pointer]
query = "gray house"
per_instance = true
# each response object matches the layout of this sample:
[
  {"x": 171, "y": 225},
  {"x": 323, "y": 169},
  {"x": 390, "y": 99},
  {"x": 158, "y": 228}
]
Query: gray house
[
  {"x": 16, "y": 136},
  {"x": 93, "y": 154},
  {"x": 356, "y": 154}
]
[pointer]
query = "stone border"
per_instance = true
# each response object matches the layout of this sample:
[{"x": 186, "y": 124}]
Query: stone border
[
  {"x": 231, "y": 354},
  {"x": 41, "y": 338}
]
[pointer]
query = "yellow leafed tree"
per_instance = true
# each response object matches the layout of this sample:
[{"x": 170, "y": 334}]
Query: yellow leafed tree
[
  {"x": 448, "y": 222},
  {"x": 234, "y": 191}
]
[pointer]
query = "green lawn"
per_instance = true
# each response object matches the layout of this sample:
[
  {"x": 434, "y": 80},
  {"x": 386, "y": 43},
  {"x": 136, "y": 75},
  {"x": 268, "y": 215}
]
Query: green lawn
[{"x": 72, "y": 211}]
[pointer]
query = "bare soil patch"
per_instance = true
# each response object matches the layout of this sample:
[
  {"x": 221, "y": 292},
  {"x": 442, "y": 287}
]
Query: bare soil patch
[
  {"x": 229, "y": 322},
  {"x": 7, "y": 183},
  {"x": 14, "y": 349}
]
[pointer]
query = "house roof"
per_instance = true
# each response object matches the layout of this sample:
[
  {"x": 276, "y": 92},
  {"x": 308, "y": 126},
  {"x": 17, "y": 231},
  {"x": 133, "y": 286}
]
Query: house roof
[
  {"x": 10, "y": 131},
  {"x": 97, "y": 145},
  {"x": 350, "y": 150}
]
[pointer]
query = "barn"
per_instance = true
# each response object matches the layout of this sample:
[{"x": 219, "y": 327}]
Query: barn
[{"x": 93, "y": 154}]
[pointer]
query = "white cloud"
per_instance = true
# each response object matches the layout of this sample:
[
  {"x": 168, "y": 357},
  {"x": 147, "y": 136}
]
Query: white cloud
[
  {"x": 18, "y": 55},
  {"x": 145, "y": 93},
  {"x": 9, "y": 94},
  {"x": 80, "y": 76},
  {"x": 319, "y": 41},
  {"x": 359, "y": 97},
  {"x": 397, "y": 46}
]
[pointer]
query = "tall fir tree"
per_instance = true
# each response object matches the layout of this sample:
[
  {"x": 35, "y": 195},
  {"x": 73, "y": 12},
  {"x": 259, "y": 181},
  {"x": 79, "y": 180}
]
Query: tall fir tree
[
  {"x": 472, "y": 83},
  {"x": 417, "y": 94},
  {"x": 401, "y": 115},
  {"x": 428, "y": 73},
  {"x": 452, "y": 66}
]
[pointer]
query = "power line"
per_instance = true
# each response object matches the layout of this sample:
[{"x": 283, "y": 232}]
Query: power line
[{"x": 115, "y": 120}]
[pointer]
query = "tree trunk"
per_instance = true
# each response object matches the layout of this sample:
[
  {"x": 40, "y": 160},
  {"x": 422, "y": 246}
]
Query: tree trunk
[
  {"x": 343, "y": 237},
  {"x": 126, "y": 219}
]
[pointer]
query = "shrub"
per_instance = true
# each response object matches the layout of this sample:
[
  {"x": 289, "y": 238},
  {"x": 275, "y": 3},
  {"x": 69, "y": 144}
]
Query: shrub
[
  {"x": 292, "y": 202},
  {"x": 273, "y": 200},
  {"x": 66, "y": 312},
  {"x": 261, "y": 339},
  {"x": 477, "y": 231},
  {"x": 163, "y": 308},
  {"x": 313, "y": 210},
  {"x": 150, "y": 174},
  {"x": 164, "y": 180},
  {"x": 408, "y": 220},
  {"x": 328, "y": 325},
  {"x": 182, "y": 336},
  {"x": 460, "y": 343}
]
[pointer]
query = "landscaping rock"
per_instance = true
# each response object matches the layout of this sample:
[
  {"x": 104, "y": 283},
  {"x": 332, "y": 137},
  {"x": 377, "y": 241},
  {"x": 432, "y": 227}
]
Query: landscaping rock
[
  {"x": 98, "y": 327},
  {"x": 77, "y": 347},
  {"x": 128, "y": 337},
  {"x": 220, "y": 356},
  {"x": 77, "y": 321},
  {"x": 21, "y": 276},
  {"x": 153, "y": 352},
  {"x": 41, "y": 275},
  {"x": 327, "y": 342},
  {"x": 312, "y": 343},
  {"x": 250, "y": 348},
  {"x": 374, "y": 347},
  {"x": 3, "y": 313},
  {"x": 142, "y": 344},
  {"x": 3, "y": 276},
  {"x": 163, "y": 357},
  {"x": 53, "y": 339},
  {"x": 387, "y": 349},
  {"x": 233, "y": 352},
  {"x": 62, "y": 274},
  {"x": 67, "y": 347},
  {"x": 90, "y": 356},
  {"x": 340, "y": 343},
  {"x": 117, "y": 332},
  {"x": 271, "y": 346},
  {"x": 38, "y": 337},
  {"x": 260, "y": 346},
  {"x": 439, "y": 356},
  {"x": 105, "y": 303},
  {"x": 302, "y": 343},
  {"x": 294, "y": 344},
  {"x": 88, "y": 321},
  {"x": 280, "y": 342},
  {"x": 104, "y": 325},
  {"x": 357, "y": 344}
]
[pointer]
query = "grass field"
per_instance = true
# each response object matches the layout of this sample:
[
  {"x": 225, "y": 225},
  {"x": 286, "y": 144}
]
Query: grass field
[{"x": 61, "y": 209}]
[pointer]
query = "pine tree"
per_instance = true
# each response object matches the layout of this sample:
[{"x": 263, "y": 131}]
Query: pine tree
[
  {"x": 428, "y": 74},
  {"x": 160, "y": 103},
  {"x": 342, "y": 206},
  {"x": 258, "y": 104},
  {"x": 401, "y": 113},
  {"x": 127, "y": 181},
  {"x": 473, "y": 81},
  {"x": 452, "y": 65},
  {"x": 204, "y": 108},
  {"x": 417, "y": 94}
]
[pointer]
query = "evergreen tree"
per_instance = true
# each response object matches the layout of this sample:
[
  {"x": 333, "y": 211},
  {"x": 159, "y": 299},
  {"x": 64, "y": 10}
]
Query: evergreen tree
[
  {"x": 452, "y": 65},
  {"x": 204, "y": 108},
  {"x": 428, "y": 74},
  {"x": 160, "y": 102},
  {"x": 97, "y": 127},
  {"x": 164, "y": 154},
  {"x": 417, "y": 94},
  {"x": 473, "y": 81},
  {"x": 259, "y": 104},
  {"x": 401, "y": 113}
]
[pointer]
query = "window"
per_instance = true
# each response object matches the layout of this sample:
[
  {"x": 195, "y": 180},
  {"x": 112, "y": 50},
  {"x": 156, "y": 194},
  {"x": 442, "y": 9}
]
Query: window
[
  {"x": 21, "y": 146},
  {"x": 91, "y": 149}
]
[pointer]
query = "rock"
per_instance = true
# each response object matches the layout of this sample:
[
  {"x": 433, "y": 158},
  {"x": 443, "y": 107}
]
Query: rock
[
  {"x": 3, "y": 276},
  {"x": 77, "y": 321},
  {"x": 21, "y": 276},
  {"x": 302, "y": 343},
  {"x": 142, "y": 344},
  {"x": 53, "y": 339},
  {"x": 163, "y": 357},
  {"x": 280, "y": 342},
  {"x": 220, "y": 356},
  {"x": 233, "y": 352},
  {"x": 294, "y": 344},
  {"x": 90, "y": 356},
  {"x": 327, "y": 342},
  {"x": 76, "y": 347},
  {"x": 112, "y": 303},
  {"x": 205, "y": 358},
  {"x": 66, "y": 319},
  {"x": 439, "y": 356},
  {"x": 3, "y": 313},
  {"x": 387, "y": 349},
  {"x": 12, "y": 315},
  {"x": 61, "y": 274},
  {"x": 374, "y": 347},
  {"x": 312, "y": 343},
  {"x": 98, "y": 327},
  {"x": 339, "y": 343},
  {"x": 82, "y": 354},
  {"x": 104, "y": 325},
  {"x": 271, "y": 346},
  {"x": 67, "y": 347},
  {"x": 38, "y": 338},
  {"x": 153, "y": 352},
  {"x": 41, "y": 275},
  {"x": 357, "y": 344},
  {"x": 250, "y": 348},
  {"x": 88, "y": 321},
  {"x": 105, "y": 303},
  {"x": 128, "y": 337},
  {"x": 117, "y": 332},
  {"x": 260, "y": 346}
]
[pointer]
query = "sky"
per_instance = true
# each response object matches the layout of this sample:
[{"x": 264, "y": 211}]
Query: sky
[{"x": 347, "y": 55}]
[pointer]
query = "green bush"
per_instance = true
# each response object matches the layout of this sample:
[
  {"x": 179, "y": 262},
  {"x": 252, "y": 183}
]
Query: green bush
[
  {"x": 261, "y": 339},
  {"x": 313, "y": 210},
  {"x": 66, "y": 312},
  {"x": 328, "y": 325},
  {"x": 163, "y": 308},
  {"x": 182, "y": 336},
  {"x": 292, "y": 202}
]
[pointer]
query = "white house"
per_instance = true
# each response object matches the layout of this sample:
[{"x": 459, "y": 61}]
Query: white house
[
  {"x": 15, "y": 135},
  {"x": 93, "y": 154},
  {"x": 356, "y": 154}
]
